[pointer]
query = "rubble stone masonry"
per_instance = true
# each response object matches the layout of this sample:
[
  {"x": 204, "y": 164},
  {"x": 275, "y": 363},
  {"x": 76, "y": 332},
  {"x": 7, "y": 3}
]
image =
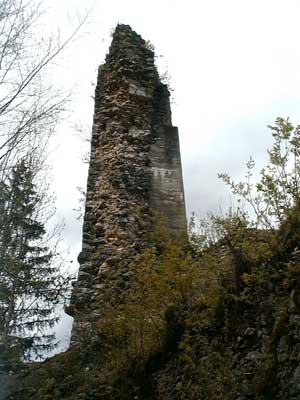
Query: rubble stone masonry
[{"x": 134, "y": 172}]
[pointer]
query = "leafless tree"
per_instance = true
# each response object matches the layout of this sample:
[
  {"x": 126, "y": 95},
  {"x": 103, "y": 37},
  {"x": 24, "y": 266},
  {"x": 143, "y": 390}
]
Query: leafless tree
[{"x": 29, "y": 105}]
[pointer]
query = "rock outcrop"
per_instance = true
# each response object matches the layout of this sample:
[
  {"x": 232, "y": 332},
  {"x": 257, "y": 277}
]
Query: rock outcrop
[{"x": 134, "y": 172}]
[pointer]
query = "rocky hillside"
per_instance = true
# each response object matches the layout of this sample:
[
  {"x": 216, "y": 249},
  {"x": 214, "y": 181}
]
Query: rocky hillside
[{"x": 189, "y": 328}]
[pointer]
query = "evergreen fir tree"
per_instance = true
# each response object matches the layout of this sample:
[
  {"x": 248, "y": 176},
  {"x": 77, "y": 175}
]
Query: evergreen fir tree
[{"x": 30, "y": 282}]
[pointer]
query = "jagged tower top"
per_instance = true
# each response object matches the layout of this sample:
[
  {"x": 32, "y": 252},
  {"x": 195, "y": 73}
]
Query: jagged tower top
[
  {"x": 129, "y": 46},
  {"x": 130, "y": 49}
]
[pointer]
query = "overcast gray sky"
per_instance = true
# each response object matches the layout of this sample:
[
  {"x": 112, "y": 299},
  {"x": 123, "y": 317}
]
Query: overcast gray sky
[{"x": 234, "y": 67}]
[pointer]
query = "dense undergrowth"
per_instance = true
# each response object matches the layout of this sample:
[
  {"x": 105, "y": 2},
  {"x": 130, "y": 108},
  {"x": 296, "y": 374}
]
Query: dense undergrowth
[
  {"x": 186, "y": 330},
  {"x": 216, "y": 317}
]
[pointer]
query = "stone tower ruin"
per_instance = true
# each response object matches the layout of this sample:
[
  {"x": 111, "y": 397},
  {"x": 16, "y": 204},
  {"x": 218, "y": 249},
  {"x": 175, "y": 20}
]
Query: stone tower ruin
[{"x": 134, "y": 172}]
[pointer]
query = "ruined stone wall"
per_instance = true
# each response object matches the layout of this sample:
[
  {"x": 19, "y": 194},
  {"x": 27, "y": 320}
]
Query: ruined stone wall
[{"x": 134, "y": 168}]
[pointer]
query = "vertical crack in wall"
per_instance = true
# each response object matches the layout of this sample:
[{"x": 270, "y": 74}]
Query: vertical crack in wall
[{"x": 135, "y": 168}]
